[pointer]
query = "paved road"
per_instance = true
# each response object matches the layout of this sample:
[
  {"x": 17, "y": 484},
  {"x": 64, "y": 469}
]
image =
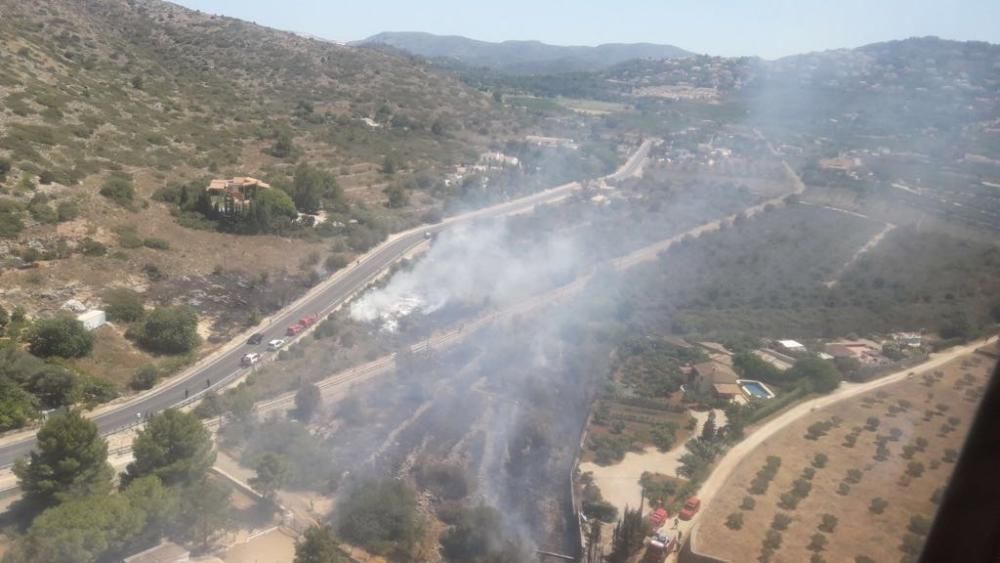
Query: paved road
[{"x": 224, "y": 365}]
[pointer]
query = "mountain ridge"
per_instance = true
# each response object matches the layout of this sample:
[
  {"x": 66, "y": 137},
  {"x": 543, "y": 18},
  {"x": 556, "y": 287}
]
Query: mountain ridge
[{"x": 521, "y": 56}]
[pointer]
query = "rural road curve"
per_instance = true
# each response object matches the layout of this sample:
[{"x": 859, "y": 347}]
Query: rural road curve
[
  {"x": 223, "y": 365},
  {"x": 727, "y": 465}
]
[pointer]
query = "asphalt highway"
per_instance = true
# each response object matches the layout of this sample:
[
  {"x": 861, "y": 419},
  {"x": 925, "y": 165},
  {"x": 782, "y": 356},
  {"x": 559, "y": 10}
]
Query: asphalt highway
[{"x": 223, "y": 366}]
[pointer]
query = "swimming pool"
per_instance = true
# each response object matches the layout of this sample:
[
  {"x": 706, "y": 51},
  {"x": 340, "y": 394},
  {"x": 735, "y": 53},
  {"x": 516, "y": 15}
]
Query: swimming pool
[{"x": 755, "y": 389}]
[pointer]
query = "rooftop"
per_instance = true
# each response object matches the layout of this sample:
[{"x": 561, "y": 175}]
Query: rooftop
[
  {"x": 727, "y": 389},
  {"x": 236, "y": 182},
  {"x": 716, "y": 372}
]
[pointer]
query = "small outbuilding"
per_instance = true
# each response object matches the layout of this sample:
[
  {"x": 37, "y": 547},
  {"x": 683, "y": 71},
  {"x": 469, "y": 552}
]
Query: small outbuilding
[
  {"x": 92, "y": 319},
  {"x": 792, "y": 345}
]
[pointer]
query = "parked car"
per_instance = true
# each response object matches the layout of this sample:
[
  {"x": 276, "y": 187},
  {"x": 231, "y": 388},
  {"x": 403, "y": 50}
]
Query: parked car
[
  {"x": 255, "y": 338},
  {"x": 304, "y": 323},
  {"x": 690, "y": 508},
  {"x": 276, "y": 344},
  {"x": 250, "y": 359}
]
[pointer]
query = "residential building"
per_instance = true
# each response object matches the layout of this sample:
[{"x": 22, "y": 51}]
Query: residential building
[{"x": 234, "y": 193}]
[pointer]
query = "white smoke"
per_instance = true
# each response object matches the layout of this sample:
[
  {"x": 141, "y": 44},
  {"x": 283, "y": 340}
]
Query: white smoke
[{"x": 483, "y": 263}]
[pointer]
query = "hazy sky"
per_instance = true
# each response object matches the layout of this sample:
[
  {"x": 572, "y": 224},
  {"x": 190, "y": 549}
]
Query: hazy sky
[{"x": 768, "y": 28}]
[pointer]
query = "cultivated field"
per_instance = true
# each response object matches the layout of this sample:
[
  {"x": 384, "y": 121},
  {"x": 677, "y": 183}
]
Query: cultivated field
[{"x": 920, "y": 423}]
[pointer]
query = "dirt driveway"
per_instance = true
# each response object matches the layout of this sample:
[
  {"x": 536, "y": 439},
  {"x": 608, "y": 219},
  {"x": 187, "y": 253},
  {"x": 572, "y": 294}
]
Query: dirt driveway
[{"x": 619, "y": 483}]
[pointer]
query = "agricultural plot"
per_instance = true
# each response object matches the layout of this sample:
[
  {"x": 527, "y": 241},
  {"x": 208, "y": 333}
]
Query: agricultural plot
[{"x": 861, "y": 478}]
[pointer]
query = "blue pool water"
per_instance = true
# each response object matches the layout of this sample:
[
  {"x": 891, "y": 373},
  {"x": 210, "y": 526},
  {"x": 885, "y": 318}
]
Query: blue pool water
[{"x": 756, "y": 389}]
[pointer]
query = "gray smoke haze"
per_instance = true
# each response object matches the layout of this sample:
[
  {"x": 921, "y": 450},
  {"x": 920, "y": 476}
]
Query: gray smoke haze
[{"x": 483, "y": 263}]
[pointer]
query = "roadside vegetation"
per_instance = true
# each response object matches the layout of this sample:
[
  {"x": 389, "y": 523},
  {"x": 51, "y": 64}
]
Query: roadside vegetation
[{"x": 71, "y": 508}]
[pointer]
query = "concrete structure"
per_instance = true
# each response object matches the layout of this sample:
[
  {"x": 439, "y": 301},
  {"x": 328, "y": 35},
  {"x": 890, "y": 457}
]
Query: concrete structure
[
  {"x": 166, "y": 552},
  {"x": 95, "y": 318},
  {"x": 911, "y": 339},
  {"x": 792, "y": 346},
  {"x": 551, "y": 141}
]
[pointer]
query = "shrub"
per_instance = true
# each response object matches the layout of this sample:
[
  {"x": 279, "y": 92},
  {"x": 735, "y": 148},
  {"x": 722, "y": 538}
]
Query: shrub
[
  {"x": 772, "y": 539},
  {"x": 11, "y": 224},
  {"x": 62, "y": 336},
  {"x": 169, "y": 330},
  {"x": 843, "y": 489},
  {"x": 145, "y": 378},
  {"x": 817, "y": 542},
  {"x": 67, "y": 210},
  {"x": 853, "y": 476},
  {"x": 156, "y": 244},
  {"x": 119, "y": 189},
  {"x": 734, "y": 521},
  {"x": 123, "y": 304},
  {"x": 601, "y": 509},
  {"x": 819, "y": 461},
  {"x": 878, "y": 505},
  {"x": 937, "y": 495},
  {"x": 307, "y": 399},
  {"x": 748, "y": 503},
  {"x": 828, "y": 523},
  {"x": 801, "y": 488},
  {"x": 43, "y": 213},
  {"x": 335, "y": 262},
  {"x": 128, "y": 237},
  {"x": 91, "y": 247},
  {"x": 781, "y": 521},
  {"x": 912, "y": 544},
  {"x": 914, "y": 469},
  {"x": 153, "y": 272},
  {"x": 451, "y": 482},
  {"x": 920, "y": 525},
  {"x": 789, "y": 501},
  {"x": 380, "y": 515},
  {"x": 808, "y": 473}
]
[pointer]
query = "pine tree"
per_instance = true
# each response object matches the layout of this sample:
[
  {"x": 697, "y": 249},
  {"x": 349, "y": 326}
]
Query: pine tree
[{"x": 708, "y": 431}]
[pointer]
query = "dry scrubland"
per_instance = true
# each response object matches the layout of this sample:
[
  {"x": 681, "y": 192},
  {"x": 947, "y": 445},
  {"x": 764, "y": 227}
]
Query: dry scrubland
[{"x": 936, "y": 407}]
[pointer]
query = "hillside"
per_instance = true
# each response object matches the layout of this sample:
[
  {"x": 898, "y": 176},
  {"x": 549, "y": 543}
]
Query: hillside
[
  {"x": 908, "y": 127},
  {"x": 115, "y": 112},
  {"x": 164, "y": 96},
  {"x": 522, "y": 57}
]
